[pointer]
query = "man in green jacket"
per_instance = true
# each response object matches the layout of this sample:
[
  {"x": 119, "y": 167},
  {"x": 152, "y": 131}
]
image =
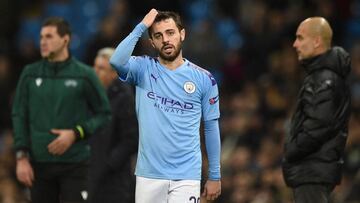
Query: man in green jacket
[{"x": 59, "y": 102}]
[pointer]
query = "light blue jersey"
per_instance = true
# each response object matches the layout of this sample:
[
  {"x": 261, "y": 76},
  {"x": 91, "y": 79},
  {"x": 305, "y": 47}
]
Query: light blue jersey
[{"x": 169, "y": 106}]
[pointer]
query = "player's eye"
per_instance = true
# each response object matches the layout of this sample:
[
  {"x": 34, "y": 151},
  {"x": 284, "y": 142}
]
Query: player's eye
[
  {"x": 170, "y": 33},
  {"x": 157, "y": 36}
]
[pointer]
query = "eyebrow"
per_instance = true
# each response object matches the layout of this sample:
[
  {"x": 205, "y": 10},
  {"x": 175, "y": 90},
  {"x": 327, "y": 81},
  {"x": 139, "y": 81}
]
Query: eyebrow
[
  {"x": 171, "y": 29},
  {"x": 45, "y": 35}
]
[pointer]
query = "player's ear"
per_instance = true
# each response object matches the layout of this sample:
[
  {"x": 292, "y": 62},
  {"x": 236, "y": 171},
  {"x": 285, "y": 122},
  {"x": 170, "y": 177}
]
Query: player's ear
[
  {"x": 317, "y": 41},
  {"x": 66, "y": 40},
  {"x": 151, "y": 42},
  {"x": 182, "y": 34}
]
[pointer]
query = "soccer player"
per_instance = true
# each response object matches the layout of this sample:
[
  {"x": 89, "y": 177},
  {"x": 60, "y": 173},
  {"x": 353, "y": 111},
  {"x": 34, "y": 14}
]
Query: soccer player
[{"x": 172, "y": 95}]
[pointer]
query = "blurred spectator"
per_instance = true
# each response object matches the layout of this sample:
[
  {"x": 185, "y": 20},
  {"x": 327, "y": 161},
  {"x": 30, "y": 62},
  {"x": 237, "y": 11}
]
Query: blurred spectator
[
  {"x": 113, "y": 147},
  {"x": 7, "y": 85},
  {"x": 110, "y": 32},
  {"x": 8, "y": 18},
  {"x": 10, "y": 192},
  {"x": 233, "y": 72},
  {"x": 199, "y": 49}
]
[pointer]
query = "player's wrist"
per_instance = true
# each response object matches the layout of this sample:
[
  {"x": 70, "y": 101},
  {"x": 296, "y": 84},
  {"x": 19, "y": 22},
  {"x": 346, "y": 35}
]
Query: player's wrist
[
  {"x": 214, "y": 176},
  {"x": 78, "y": 133},
  {"x": 141, "y": 27},
  {"x": 214, "y": 179},
  {"x": 22, "y": 155}
]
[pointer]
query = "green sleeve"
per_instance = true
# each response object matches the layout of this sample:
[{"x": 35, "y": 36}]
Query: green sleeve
[
  {"x": 20, "y": 114},
  {"x": 97, "y": 99}
]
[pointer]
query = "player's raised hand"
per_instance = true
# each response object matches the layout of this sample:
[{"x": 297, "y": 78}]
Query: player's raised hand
[{"x": 150, "y": 17}]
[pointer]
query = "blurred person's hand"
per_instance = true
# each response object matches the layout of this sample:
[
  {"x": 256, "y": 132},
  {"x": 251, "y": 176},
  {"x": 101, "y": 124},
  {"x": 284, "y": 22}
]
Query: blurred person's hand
[
  {"x": 66, "y": 137},
  {"x": 212, "y": 189},
  {"x": 150, "y": 17},
  {"x": 24, "y": 172}
]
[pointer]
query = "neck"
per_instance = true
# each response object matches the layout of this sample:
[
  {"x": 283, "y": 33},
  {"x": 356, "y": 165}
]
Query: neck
[
  {"x": 62, "y": 56},
  {"x": 321, "y": 50},
  {"x": 172, "y": 65}
]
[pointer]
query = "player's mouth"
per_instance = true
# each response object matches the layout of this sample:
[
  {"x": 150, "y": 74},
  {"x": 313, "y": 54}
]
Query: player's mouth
[
  {"x": 43, "y": 49},
  {"x": 167, "y": 49}
]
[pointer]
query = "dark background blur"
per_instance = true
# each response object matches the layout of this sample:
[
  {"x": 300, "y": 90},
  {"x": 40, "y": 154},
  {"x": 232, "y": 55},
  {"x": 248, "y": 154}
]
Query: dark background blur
[{"x": 246, "y": 44}]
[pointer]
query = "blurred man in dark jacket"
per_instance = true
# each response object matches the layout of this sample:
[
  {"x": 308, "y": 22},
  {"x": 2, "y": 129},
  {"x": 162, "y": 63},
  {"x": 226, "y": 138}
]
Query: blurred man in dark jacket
[
  {"x": 111, "y": 176},
  {"x": 314, "y": 149}
]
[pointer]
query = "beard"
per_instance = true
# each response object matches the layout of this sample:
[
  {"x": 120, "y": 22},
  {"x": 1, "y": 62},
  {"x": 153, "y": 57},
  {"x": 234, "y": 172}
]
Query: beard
[{"x": 170, "y": 57}]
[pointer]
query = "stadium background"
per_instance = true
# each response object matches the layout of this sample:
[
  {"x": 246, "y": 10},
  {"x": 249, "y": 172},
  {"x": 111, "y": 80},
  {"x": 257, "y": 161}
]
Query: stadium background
[{"x": 246, "y": 44}]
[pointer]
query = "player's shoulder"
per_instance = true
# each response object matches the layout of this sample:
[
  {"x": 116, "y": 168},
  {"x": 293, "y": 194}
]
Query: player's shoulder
[
  {"x": 144, "y": 58},
  {"x": 202, "y": 72},
  {"x": 33, "y": 67},
  {"x": 80, "y": 65},
  {"x": 197, "y": 68},
  {"x": 79, "y": 68}
]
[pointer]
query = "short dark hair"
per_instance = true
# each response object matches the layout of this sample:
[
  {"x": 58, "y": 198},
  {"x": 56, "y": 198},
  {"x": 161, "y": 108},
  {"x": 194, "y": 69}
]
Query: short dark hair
[
  {"x": 63, "y": 27},
  {"x": 163, "y": 15}
]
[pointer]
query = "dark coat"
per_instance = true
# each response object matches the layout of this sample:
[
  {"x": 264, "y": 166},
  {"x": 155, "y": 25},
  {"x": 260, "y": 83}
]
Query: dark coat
[
  {"x": 314, "y": 149},
  {"x": 112, "y": 149},
  {"x": 60, "y": 95}
]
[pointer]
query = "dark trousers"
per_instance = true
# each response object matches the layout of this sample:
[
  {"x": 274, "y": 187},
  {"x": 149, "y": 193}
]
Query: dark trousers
[
  {"x": 60, "y": 182},
  {"x": 112, "y": 186},
  {"x": 311, "y": 193}
]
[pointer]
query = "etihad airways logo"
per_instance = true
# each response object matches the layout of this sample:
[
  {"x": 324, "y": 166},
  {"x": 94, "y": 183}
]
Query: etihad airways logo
[{"x": 170, "y": 105}]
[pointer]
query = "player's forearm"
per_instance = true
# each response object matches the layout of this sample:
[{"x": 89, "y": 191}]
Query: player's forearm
[
  {"x": 98, "y": 101},
  {"x": 124, "y": 50},
  {"x": 21, "y": 137},
  {"x": 20, "y": 125},
  {"x": 19, "y": 116},
  {"x": 213, "y": 148}
]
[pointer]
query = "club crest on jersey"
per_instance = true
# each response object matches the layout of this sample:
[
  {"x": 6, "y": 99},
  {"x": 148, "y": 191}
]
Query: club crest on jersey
[
  {"x": 189, "y": 87},
  {"x": 38, "y": 81},
  {"x": 84, "y": 194}
]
